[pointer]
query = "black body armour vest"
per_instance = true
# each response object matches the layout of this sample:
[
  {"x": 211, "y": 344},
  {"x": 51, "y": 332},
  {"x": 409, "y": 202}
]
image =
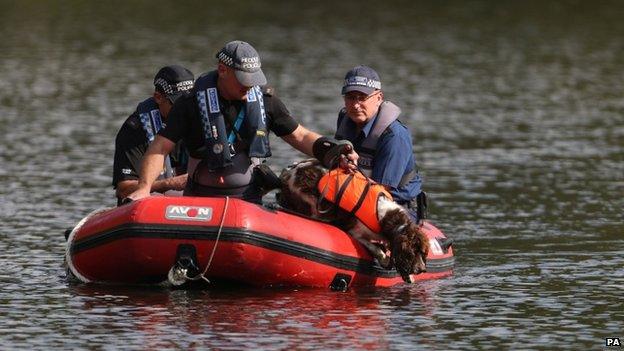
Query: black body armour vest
[
  {"x": 217, "y": 151},
  {"x": 151, "y": 121}
]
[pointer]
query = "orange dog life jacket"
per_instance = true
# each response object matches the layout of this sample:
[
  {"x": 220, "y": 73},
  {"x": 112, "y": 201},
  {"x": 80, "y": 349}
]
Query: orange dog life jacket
[{"x": 354, "y": 193}]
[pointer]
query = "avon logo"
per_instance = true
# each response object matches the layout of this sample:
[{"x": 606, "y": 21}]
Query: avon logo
[{"x": 189, "y": 213}]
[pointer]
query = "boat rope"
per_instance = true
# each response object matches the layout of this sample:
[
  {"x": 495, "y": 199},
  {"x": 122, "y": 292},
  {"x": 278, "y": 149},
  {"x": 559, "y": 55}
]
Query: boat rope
[
  {"x": 70, "y": 242},
  {"x": 214, "y": 248}
]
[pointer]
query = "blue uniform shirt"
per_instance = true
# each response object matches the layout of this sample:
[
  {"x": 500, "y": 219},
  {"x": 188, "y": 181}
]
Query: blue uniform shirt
[{"x": 393, "y": 158}]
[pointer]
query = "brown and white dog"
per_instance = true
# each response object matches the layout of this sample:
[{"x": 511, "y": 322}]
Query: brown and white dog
[{"x": 399, "y": 242}]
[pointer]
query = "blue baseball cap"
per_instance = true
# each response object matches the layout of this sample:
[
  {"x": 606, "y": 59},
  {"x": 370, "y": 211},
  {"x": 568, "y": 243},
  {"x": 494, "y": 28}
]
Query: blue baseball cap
[
  {"x": 363, "y": 79},
  {"x": 245, "y": 60}
]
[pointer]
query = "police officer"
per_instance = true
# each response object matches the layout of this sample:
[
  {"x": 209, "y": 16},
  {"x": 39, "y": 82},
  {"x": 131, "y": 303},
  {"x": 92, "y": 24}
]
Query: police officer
[
  {"x": 383, "y": 143},
  {"x": 225, "y": 125},
  {"x": 140, "y": 129}
]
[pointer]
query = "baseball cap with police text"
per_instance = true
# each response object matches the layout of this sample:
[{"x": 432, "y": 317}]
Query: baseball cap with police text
[
  {"x": 363, "y": 79},
  {"x": 246, "y": 62},
  {"x": 174, "y": 81}
]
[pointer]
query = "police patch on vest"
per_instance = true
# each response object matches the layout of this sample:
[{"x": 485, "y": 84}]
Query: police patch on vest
[{"x": 213, "y": 100}]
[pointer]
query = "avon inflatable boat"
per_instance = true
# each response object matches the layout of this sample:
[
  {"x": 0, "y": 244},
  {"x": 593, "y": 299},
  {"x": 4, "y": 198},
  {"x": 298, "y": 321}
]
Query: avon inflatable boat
[{"x": 177, "y": 239}]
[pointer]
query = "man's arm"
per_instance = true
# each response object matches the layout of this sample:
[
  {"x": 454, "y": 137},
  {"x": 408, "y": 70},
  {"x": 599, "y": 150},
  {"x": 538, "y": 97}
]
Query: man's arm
[
  {"x": 152, "y": 165},
  {"x": 130, "y": 146},
  {"x": 126, "y": 187},
  {"x": 304, "y": 140}
]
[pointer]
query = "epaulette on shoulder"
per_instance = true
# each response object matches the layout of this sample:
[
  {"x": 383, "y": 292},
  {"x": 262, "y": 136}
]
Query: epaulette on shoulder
[
  {"x": 402, "y": 124},
  {"x": 388, "y": 131},
  {"x": 134, "y": 122}
]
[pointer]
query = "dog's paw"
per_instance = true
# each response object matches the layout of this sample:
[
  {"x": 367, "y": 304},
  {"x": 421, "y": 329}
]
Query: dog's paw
[{"x": 382, "y": 257}]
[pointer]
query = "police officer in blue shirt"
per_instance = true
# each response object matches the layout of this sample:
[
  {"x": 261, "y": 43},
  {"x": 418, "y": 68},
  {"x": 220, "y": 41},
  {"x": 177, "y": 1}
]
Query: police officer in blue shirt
[{"x": 383, "y": 143}]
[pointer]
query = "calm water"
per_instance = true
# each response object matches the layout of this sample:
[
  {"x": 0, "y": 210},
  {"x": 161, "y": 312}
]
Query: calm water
[{"x": 517, "y": 113}]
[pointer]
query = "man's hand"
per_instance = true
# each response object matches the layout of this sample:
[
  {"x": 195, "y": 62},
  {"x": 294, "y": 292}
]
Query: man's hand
[
  {"x": 127, "y": 187},
  {"x": 331, "y": 151},
  {"x": 140, "y": 193},
  {"x": 151, "y": 166},
  {"x": 327, "y": 150},
  {"x": 348, "y": 160}
]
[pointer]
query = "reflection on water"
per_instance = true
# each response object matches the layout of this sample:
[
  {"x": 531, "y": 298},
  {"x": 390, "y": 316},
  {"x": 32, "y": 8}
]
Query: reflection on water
[
  {"x": 226, "y": 319},
  {"x": 517, "y": 115}
]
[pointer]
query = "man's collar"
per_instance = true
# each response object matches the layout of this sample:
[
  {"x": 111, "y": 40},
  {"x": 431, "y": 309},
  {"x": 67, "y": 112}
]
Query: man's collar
[{"x": 369, "y": 125}]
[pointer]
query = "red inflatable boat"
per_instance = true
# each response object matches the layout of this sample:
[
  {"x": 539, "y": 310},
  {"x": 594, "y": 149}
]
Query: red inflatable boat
[{"x": 223, "y": 239}]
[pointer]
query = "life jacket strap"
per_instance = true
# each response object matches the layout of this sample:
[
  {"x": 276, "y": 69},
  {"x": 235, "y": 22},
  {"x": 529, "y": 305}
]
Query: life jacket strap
[
  {"x": 361, "y": 199},
  {"x": 343, "y": 188},
  {"x": 236, "y": 126}
]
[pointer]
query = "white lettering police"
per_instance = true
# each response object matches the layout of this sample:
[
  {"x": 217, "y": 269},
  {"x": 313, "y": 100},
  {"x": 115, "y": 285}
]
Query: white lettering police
[
  {"x": 363, "y": 81},
  {"x": 250, "y": 62},
  {"x": 213, "y": 100},
  {"x": 250, "y": 59}
]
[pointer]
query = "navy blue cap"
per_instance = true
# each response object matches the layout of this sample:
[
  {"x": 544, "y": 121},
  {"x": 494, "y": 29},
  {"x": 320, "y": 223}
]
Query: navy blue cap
[
  {"x": 363, "y": 79},
  {"x": 245, "y": 60},
  {"x": 174, "y": 81}
]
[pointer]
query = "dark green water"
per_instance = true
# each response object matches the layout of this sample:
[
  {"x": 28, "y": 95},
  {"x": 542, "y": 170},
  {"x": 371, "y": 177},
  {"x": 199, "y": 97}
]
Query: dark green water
[{"x": 517, "y": 114}]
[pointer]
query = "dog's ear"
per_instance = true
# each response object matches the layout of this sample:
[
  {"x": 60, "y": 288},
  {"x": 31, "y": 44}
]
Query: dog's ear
[
  {"x": 423, "y": 240},
  {"x": 403, "y": 256},
  {"x": 409, "y": 252},
  {"x": 393, "y": 219},
  {"x": 307, "y": 178},
  {"x": 420, "y": 244},
  {"x": 285, "y": 177},
  {"x": 299, "y": 191}
]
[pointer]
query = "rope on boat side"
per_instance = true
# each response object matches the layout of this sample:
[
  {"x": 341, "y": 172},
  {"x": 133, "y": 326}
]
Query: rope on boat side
[
  {"x": 214, "y": 248},
  {"x": 70, "y": 240}
]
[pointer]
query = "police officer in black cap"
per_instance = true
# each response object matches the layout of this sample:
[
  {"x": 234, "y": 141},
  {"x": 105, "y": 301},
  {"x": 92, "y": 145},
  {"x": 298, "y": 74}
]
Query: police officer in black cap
[
  {"x": 225, "y": 125},
  {"x": 139, "y": 130}
]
